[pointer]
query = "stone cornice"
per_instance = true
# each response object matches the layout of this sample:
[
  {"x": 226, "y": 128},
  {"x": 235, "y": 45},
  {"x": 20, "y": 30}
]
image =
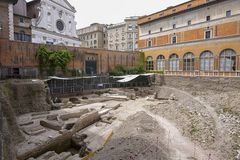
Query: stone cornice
[
  {"x": 54, "y": 33},
  {"x": 181, "y": 44}
]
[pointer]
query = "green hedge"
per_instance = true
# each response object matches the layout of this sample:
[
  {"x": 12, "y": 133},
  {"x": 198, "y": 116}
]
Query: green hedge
[
  {"x": 120, "y": 70},
  {"x": 156, "y": 71}
]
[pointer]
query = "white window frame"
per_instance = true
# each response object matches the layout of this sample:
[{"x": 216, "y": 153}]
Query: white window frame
[
  {"x": 207, "y": 18},
  {"x": 211, "y": 33},
  {"x": 149, "y": 40},
  {"x": 174, "y": 36},
  {"x": 228, "y": 12}
]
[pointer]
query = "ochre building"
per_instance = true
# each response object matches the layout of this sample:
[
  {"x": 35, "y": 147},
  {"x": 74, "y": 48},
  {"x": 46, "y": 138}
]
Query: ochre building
[{"x": 196, "y": 38}]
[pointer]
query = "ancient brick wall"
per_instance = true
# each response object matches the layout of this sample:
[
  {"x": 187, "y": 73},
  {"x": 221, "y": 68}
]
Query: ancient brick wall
[{"x": 15, "y": 54}]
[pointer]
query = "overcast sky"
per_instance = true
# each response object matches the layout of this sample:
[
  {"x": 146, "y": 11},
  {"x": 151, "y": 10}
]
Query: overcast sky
[{"x": 114, "y": 11}]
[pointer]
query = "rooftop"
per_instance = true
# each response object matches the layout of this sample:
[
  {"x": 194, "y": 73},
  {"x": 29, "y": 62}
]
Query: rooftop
[{"x": 172, "y": 10}]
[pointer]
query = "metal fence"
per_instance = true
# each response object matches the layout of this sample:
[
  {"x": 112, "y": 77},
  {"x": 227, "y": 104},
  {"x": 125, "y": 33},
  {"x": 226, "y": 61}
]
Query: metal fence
[{"x": 79, "y": 85}]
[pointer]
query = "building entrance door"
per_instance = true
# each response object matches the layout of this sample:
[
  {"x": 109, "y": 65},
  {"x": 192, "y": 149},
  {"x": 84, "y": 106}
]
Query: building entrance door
[{"x": 91, "y": 67}]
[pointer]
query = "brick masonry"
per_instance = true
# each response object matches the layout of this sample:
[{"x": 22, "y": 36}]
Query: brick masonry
[
  {"x": 4, "y": 28},
  {"x": 15, "y": 54}
]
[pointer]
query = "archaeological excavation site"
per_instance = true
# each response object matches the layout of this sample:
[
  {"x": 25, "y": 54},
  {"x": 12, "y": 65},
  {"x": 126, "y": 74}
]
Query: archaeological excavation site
[
  {"x": 120, "y": 80},
  {"x": 140, "y": 117}
]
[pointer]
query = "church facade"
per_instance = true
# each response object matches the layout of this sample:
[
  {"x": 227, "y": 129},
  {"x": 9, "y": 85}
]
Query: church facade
[{"x": 53, "y": 22}]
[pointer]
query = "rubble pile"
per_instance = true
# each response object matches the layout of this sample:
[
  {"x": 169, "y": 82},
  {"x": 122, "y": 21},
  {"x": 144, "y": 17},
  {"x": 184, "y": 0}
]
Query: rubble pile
[
  {"x": 50, "y": 134},
  {"x": 156, "y": 122}
]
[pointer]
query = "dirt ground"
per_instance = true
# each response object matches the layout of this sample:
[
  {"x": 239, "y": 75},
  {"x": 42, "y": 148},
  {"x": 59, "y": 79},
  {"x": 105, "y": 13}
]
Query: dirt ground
[
  {"x": 207, "y": 125},
  {"x": 155, "y": 123},
  {"x": 220, "y": 96},
  {"x": 163, "y": 138},
  {"x": 139, "y": 137}
]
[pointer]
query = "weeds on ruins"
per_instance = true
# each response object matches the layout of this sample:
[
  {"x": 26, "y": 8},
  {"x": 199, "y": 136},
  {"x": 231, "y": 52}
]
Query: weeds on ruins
[{"x": 49, "y": 61}]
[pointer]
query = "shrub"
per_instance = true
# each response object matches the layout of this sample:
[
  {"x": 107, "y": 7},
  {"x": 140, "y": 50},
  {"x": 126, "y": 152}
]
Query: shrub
[
  {"x": 156, "y": 71},
  {"x": 120, "y": 70}
]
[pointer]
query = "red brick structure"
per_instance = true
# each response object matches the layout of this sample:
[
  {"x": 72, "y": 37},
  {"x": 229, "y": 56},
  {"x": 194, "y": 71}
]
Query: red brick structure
[
  {"x": 18, "y": 58},
  {"x": 4, "y": 23}
]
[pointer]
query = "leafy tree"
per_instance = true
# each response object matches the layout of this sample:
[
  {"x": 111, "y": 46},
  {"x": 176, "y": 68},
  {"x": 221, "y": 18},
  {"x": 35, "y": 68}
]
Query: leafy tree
[
  {"x": 63, "y": 58},
  {"x": 42, "y": 55},
  {"x": 52, "y": 63},
  {"x": 50, "y": 60}
]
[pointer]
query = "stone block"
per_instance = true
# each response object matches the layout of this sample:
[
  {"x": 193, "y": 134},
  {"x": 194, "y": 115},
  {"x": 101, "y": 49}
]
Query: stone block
[
  {"x": 64, "y": 155},
  {"x": 86, "y": 120},
  {"x": 52, "y": 117},
  {"x": 73, "y": 115},
  {"x": 55, "y": 125},
  {"x": 74, "y": 157},
  {"x": 74, "y": 100},
  {"x": 47, "y": 155},
  {"x": 34, "y": 130}
]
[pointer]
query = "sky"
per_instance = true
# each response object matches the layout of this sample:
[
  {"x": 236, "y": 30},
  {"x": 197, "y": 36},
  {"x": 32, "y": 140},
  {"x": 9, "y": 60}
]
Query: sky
[{"x": 114, "y": 11}]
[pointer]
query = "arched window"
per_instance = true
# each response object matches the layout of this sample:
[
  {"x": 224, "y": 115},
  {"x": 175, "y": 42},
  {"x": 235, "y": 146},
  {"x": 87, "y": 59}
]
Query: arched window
[
  {"x": 188, "y": 62},
  {"x": 174, "y": 62},
  {"x": 228, "y": 60},
  {"x": 149, "y": 64},
  {"x": 206, "y": 61},
  {"x": 160, "y": 62}
]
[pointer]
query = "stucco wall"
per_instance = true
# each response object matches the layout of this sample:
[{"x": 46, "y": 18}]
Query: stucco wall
[
  {"x": 196, "y": 48},
  {"x": 197, "y": 17},
  {"x": 188, "y": 34},
  {"x": 20, "y": 8}
]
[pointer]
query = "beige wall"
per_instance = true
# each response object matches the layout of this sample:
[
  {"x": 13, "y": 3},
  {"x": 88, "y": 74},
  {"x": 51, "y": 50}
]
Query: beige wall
[
  {"x": 220, "y": 24},
  {"x": 94, "y": 33},
  {"x": 123, "y": 36}
]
